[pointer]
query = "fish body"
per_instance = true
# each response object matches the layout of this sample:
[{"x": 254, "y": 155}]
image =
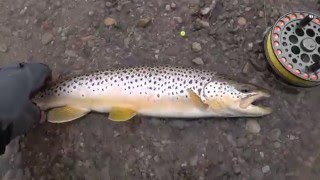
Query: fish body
[{"x": 159, "y": 91}]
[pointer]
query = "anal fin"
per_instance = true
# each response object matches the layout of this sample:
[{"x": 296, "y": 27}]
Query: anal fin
[
  {"x": 121, "y": 114},
  {"x": 65, "y": 114}
]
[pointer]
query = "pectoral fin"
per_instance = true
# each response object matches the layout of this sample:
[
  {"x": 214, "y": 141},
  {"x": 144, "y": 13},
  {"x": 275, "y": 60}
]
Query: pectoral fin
[
  {"x": 65, "y": 114},
  {"x": 196, "y": 99},
  {"x": 121, "y": 114}
]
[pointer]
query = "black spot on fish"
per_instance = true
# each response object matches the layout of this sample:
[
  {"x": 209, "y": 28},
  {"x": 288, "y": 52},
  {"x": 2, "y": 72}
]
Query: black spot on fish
[{"x": 74, "y": 87}]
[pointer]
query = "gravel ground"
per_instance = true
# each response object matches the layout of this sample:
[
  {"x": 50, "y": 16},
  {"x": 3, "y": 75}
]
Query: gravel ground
[{"x": 77, "y": 36}]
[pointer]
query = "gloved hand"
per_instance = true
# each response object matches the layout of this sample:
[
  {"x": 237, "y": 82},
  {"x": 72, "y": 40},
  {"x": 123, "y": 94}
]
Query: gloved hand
[{"x": 18, "y": 84}]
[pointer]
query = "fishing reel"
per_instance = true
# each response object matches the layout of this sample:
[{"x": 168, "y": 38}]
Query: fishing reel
[{"x": 292, "y": 48}]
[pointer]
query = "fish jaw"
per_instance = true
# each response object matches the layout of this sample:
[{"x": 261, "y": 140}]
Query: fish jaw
[
  {"x": 246, "y": 105},
  {"x": 230, "y": 107}
]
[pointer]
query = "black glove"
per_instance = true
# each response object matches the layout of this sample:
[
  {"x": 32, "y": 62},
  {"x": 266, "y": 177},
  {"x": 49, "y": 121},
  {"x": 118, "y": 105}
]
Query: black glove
[{"x": 18, "y": 84}]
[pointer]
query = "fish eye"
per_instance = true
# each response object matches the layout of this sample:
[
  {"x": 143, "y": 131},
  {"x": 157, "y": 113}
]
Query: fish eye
[{"x": 245, "y": 88}]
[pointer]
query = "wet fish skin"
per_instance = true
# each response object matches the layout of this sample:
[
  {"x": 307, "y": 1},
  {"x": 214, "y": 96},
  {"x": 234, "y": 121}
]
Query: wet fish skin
[{"x": 160, "y": 91}]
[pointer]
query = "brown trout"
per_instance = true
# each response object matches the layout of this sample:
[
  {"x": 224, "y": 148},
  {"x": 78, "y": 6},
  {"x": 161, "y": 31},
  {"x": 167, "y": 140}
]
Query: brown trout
[{"x": 158, "y": 91}]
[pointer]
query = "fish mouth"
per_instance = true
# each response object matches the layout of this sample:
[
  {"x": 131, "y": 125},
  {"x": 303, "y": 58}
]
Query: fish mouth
[{"x": 250, "y": 103}]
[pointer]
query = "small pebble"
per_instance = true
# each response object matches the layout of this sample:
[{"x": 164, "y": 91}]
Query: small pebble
[
  {"x": 60, "y": 30},
  {"x": 3, "y": 48},
  {"x": 108, "y": 4},
  {"x": 173, "y": 5},
  {"x": 202, "y": 23},
  {"x": 247, "y": 69},
  {"x": 109, "y": 21},
  {"x": 205, "y": 11},
  {"x": 198, "y": 61},
  {"x": 242, "y": 21},
  {"x": 46, "y": 38},
  {"x": 144, "y": 22},
  {"x": 250, "y": 46},
  {"x": 178, "y": 19},
  {"x": 168, "y": 8},
  {"x": 265, "y": 169},
  {"x": 156, "y": 158},
  {"x": 247, "y": 9},
  {"x": 261, "y": 154},
  {"x": 90, "y": 13},
  {"x": 253, "y": 126},
  {"x": 196, "y": 47},
  {"x": 261, "y": 14}
]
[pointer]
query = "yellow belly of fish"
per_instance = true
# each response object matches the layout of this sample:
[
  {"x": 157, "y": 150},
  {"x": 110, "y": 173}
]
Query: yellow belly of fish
[{"x": 124, "y": 108}]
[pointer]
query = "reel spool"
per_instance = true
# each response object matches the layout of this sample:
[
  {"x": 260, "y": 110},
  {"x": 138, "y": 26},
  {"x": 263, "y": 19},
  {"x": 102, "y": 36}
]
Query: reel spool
[{"x": 292, "y": 48}]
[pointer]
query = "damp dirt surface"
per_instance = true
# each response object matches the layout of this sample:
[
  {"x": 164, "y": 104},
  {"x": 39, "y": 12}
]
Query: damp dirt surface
[{"x": 80, "y": 36}]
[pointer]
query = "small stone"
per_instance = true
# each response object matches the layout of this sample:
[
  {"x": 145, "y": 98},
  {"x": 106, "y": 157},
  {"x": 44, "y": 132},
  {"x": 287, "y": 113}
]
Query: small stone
[
  {"x": 250, "y": 46},
  {"x": 90, "y": 13},
  {"x": 144, "y": 22},
  {"x": 173, "y": 5},
  {"x": 265, "y": 169},
  {"x": 261, "y": 154},
  {"x": 24, "y": 10},
  {"x": 277, "y": 145},
  {"x": 156, "y": 158},
  {"x": 275, "y": 134},
  {"x": 205, "y": 11},
  {"x": 261, "y": 14},
  {"x": 247, "y": 69},
  {"x": 253, "y": 126},
  {"x": 198, "y": 61},
  {"x": 116, "y": 134},
  {"x": 109, "y": 21},
  {"x": 242, "y": 21},
  {"x": 3, "y": 48},
  {"x": 184, "y": 164},
  {"x": 46, "y": 38},
  {"x": 178, "y": 19},
  {"x": 202, "y": 23},
  {"x": 247, "y": 9},
  {"x": 81, "y": 144},
  {"x": 60, "y": 29},
  {"x": 194, "y": 160},
  {"x": 196, "y": 47},
  {"x": 168, "y": 8},
  {"x": 108, "y": 4}
]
